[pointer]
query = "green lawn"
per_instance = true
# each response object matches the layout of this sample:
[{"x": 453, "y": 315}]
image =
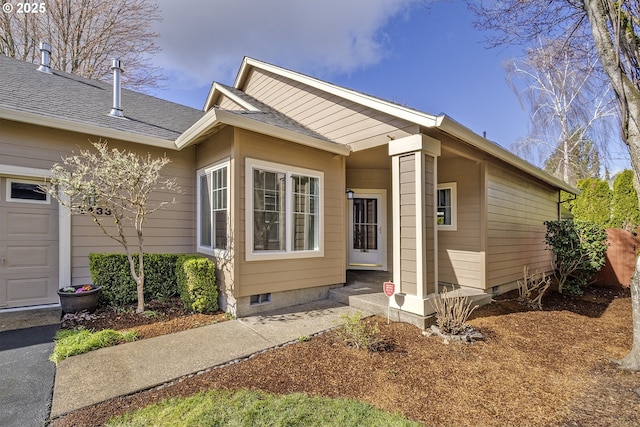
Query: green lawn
[{"x": 256, "y": 408}]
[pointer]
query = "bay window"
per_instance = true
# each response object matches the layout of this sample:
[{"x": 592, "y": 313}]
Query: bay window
[{"x": 284, "y": 211}]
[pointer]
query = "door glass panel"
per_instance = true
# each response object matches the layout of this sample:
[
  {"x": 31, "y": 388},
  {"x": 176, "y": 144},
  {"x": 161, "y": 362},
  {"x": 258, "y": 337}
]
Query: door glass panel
[{"x": 365, "y": 224}]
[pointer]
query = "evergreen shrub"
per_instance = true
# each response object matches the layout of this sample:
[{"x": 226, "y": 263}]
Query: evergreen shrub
[
  {"x": 579, "y": 250},
  {"x": 197, "y": 283},
  {"x": 112, "y": 272}
]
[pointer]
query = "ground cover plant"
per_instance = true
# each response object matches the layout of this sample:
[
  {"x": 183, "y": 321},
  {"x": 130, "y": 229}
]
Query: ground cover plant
[
  {"x": 549, "y": 367},
  {"x": 71, "y": 342}
]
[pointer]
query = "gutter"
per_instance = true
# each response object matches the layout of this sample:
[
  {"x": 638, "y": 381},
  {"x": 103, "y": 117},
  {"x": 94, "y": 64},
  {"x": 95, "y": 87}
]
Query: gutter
[
  {"x": 52, "y": 122},
  {"x": 453, "y": 128}
]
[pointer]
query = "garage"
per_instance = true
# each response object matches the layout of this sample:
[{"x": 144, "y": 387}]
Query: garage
[{"x": 28, "y": 244}]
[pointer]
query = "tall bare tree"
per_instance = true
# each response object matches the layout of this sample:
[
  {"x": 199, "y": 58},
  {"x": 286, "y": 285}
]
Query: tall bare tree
[
  {"x": 85, "y": 35},
  {"x": 568, "y": 101},
  {"x": 613, "y": 28}
]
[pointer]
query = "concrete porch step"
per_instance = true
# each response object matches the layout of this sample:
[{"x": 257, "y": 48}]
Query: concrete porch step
[{"x": 363, "y": 292}]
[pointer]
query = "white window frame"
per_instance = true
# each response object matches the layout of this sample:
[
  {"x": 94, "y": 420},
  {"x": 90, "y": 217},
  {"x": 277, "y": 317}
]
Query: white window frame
[
  {"x": 47, "y": 201},
  {"x": 454, "y": 206},
  {"x": 200, "y": 173},
  {"x": 288, "y": 253}
]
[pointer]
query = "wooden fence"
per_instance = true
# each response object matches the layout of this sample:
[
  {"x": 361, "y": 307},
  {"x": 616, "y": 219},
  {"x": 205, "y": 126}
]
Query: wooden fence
[{"x": 621, "y": 258}]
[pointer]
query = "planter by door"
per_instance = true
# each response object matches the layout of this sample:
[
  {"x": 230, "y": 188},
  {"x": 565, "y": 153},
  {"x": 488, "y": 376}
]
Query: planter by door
[{"x": 76, "y": 302}]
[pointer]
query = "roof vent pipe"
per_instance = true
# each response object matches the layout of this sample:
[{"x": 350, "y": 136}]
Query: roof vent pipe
[
  {"x": 45, "y": 61},
  {"x": 116, "y": 111}
]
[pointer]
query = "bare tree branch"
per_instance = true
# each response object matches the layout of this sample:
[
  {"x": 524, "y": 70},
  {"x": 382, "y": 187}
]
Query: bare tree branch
[{"x": 85, "y": 35}]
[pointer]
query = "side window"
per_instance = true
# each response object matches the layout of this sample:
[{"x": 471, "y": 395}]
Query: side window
[
  {"x": 213, "y": 215},
  {"x": 446, "y": 209}
]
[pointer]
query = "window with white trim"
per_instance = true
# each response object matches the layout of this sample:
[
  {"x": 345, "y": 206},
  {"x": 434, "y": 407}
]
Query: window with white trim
[
  {"x": 213, "y": 214},
  {"x": 447, "y": 204},
  {"x": 26, "y": 191},
  {"x": 284, "y": 210}
]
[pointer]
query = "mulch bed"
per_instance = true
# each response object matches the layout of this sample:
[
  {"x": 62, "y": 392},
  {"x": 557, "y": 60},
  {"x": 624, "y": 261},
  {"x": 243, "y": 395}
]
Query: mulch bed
[{"x": 535, "y": 368}]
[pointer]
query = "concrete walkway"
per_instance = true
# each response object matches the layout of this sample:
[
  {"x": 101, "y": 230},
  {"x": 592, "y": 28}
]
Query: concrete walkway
[{"x": 99, "y": 375}]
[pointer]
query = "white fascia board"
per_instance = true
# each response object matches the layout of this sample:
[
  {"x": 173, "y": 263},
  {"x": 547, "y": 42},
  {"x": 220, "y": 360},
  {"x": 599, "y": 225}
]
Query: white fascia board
[
  {"x": 465, "y": 134},
  {"x": 216, "y": 117},
  {"x": 378, "y": 104},
  {"x": 204, "y": 124},
  {"x": 99, "y": 131},
  {"x": 25, "y": 171},
  {"x": 216, "y": 88}
]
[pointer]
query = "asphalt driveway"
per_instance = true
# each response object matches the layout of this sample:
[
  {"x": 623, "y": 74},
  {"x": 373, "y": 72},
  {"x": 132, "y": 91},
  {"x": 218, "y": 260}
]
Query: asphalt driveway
[{"x": 26, "y": 374}]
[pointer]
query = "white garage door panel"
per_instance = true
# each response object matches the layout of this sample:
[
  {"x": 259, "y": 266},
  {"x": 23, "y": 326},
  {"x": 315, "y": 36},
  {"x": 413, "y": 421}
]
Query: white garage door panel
[
  {"x": 28, "y": 225},
  {"x": 28, "y": 251},
  {"x": 27, "y": 289},
  {"x": 27, "y": 256}
]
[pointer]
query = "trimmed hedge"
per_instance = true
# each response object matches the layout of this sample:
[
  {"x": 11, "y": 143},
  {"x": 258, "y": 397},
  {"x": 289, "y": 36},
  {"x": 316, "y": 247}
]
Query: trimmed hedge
[
  {"x": 197, "y": 283},
  {"x": 111, "y": 271}
]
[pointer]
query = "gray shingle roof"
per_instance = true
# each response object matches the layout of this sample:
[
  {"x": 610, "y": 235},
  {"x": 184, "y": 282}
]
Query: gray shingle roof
[
  {"x": 65, "y": 96},
  {"x": 271, "y": 116}
]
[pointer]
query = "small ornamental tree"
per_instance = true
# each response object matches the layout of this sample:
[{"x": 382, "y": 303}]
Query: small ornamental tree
[
  {"x": 624, "y": 208},
  {"x": 118, "y": 183},
  {"x": 579, "y": 250}
]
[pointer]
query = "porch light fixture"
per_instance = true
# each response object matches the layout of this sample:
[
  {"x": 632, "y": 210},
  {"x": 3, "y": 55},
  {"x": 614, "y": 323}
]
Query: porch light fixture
[{"x": 350, "y": 194}]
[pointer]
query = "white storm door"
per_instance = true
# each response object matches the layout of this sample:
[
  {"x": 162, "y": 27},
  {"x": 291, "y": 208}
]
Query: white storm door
[{"x": 366, "y": 232}]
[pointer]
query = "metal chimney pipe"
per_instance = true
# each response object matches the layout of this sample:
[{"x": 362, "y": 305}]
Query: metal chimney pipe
[
  {"x": 45, "y": 61},
  {"x": 116, "y": 111}
]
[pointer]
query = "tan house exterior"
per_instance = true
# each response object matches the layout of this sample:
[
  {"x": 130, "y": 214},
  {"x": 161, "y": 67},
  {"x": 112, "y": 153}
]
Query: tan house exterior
[{"x": 289, "y": 182}]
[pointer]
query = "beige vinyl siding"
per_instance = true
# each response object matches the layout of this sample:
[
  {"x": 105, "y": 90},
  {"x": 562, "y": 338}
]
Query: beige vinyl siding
[
  {"x": 459, "y": 251},
  {"x": 228, "y": 104},
  {"x": 408, "y": 268},
  {"x": 378, "y": 177},
  {"x": 516, "y": 210},
  {"x": 171, "y": 230},
  {"x": 258, "y": 276},
  {"x": 342, "y": 121},
  {"x": 429, "y": 221}
]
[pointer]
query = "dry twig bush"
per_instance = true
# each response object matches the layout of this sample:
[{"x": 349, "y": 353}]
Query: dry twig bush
[
  {"x": 452, "y": 311},
  {"x": 532, "y": 288}
]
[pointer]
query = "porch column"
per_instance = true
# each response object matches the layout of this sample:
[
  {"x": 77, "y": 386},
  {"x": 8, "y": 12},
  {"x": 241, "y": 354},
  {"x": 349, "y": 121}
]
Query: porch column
[{"x": 415, "y": 237}]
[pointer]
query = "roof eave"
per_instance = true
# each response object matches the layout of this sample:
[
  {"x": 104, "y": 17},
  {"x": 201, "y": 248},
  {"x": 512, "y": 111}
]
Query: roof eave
[
  {"x": 450, "y": 126},
  {"x": 80, "y": 127}
]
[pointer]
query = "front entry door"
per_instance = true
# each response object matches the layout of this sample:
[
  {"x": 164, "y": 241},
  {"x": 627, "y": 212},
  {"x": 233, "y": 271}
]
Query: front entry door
[{"x": 366, "y": 232}]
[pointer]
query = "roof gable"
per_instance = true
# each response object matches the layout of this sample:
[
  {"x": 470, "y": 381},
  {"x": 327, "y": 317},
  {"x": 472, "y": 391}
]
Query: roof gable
[{"x": 368, "y": 121}]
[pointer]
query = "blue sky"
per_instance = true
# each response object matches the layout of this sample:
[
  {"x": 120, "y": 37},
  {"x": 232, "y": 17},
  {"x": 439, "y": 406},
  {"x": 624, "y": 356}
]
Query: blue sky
[{"x": 421, "y": 54}]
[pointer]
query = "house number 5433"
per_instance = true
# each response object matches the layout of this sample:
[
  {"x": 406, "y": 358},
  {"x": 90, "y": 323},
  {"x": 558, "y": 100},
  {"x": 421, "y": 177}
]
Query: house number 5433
[{"x": 99, "y": 211}]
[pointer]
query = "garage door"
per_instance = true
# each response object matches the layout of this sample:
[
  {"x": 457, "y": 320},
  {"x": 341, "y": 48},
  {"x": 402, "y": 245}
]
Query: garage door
[{"x": 28, "y": 244}]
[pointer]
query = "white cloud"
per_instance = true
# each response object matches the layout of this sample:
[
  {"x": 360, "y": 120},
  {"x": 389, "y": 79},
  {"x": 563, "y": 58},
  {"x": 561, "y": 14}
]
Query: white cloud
[{"x": 205, "y": 40}]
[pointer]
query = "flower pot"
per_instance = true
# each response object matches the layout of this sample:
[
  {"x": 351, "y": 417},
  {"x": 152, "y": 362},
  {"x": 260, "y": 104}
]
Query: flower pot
[{"x": 75, "y": 302}]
